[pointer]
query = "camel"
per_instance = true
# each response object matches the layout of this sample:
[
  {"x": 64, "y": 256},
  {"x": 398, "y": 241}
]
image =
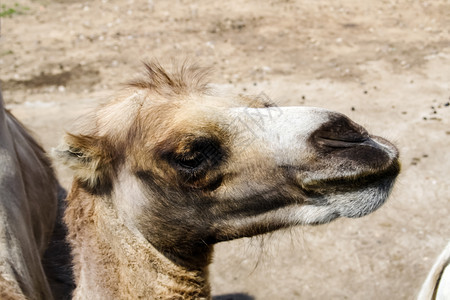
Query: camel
[
  {"x": 168, "y": 168},
  {"x": 28, "y": 214},
  {"x": 437, "y": 283}
]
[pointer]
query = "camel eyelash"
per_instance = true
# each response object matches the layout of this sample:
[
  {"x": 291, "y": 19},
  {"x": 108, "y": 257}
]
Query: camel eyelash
[
  {"x": 202, "y": 154},
  {"x": 192, "y": 162}
]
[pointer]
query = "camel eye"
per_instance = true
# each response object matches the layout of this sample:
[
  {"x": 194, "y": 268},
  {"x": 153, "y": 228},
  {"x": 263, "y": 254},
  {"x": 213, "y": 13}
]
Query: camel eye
[
  {"x": 191, "y": 163},
  {"x": 199, "y": 156}
]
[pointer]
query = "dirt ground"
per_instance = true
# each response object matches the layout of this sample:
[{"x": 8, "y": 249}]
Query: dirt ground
[{"x": 386, "y": 64}]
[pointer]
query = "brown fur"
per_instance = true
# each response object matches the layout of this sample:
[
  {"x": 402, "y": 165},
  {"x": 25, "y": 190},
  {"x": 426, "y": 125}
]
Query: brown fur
[
  {"x": 161, "y": 175},
  {"x": 136, "y": 270},
  {"x": 187, "y": 80},
  {"x": 10, "y": 291}
]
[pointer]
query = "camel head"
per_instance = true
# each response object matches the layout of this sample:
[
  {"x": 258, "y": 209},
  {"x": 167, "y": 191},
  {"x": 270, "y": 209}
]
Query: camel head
[{"x": 186, "y": 168}]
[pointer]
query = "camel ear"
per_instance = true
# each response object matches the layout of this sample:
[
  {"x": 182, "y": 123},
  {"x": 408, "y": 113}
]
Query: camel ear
[{"x": 88, "y": 158}]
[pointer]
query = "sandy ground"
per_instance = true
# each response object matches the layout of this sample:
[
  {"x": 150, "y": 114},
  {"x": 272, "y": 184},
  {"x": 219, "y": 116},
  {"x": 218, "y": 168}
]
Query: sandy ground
[{"x": 386, "y": 64}]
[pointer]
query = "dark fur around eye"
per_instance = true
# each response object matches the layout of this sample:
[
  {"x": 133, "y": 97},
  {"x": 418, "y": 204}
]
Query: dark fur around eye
[{"x": 200, "y": 155}]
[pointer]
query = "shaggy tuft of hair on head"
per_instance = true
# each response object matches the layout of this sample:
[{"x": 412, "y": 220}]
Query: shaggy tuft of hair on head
[{"x": 185, "y": 79}]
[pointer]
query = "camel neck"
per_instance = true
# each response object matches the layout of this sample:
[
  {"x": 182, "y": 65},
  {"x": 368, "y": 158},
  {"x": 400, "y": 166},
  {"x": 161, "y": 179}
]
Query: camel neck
[{"x": 113, "y": 262}]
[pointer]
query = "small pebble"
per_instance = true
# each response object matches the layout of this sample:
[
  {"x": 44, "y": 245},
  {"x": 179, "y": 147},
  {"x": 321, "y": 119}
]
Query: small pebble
[
  {"x": 415, "y": 162},
  {"x": 353, "y": 108}
]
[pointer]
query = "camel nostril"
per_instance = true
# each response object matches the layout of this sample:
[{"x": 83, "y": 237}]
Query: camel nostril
[
  {"x": 340, "y": 132},
  {"x": 338, "y": 143}
]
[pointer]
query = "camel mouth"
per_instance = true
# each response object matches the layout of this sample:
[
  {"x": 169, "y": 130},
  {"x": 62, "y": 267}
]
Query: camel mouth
[
  {"x": 352, "y": 179},
  {"x": 363, "y": 194},
  {"x": 347, "y": 197},
  {"x": 370, "y": 199}
]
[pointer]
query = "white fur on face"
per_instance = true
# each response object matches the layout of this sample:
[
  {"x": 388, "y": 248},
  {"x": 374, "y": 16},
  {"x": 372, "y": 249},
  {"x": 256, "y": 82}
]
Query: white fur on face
[
  {"x": 282, "y": 131},
  {"x": 129, "y": 198}
]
